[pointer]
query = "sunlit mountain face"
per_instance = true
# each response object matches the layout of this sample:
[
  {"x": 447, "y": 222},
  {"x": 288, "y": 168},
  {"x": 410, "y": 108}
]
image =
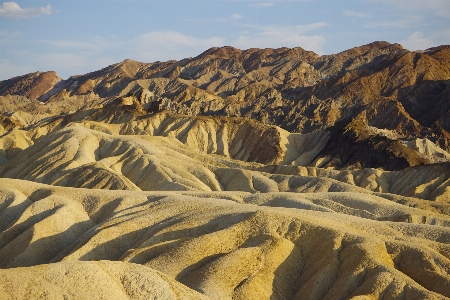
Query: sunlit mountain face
[{"x": 236, "y": 174}]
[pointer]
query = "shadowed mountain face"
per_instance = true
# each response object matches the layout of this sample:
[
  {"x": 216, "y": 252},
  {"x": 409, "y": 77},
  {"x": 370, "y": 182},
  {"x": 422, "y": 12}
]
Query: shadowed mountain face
[
  {"x": 375, "y": 100},
  {"x": 32, "y": 86},
  {"x": 256, "y": 174}
]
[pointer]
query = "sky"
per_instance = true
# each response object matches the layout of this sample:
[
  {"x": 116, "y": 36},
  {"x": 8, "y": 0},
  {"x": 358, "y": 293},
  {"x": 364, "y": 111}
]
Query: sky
[{"x": 76, "y": 37}]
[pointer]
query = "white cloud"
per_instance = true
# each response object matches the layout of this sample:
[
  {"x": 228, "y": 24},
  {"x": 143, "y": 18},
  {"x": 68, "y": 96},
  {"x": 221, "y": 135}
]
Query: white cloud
[
  {"x": 166, "y": 45},
  {"x": 283, "y": 36},
  {"x": 63, "y": 60},
  {"x": 405, "y": 23},
  {"x": 72, "y": 57},
  {"x": 229, "y": 18},
  {"x": 67, "y": 64},
  {"x": 14, "y": 11},
  {"x": 8, "y": 37},
  {"x": 264, "y": 4},
  {"x": 351, "y": 13},
  {"x": 257, "y": 2},
  {"x": 444, "y": 36},
  {"x": 9, "y": 70},
  {"x": 417, "y": 41},
  {"x": 292, "y": 29},
  {"x": 438, "y": 7},
  {"x": 226, "y": 19},
  {"x": 72, "y": 44},
  {"x": 94, "y": 44}
]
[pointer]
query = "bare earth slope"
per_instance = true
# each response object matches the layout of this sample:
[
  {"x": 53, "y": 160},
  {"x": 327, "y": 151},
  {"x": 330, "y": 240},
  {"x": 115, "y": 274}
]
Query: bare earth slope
[
  {"x": 367, "y": 97},
  {"x": 74, "y": 280},
  {"x": 236, "y": 174},
  {"x": 217, "y": 244},
  {"x": 80, "y": 157}
]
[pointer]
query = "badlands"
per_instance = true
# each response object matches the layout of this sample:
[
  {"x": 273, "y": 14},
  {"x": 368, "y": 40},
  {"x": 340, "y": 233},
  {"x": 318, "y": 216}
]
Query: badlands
[{"x": 236, "y": 174}]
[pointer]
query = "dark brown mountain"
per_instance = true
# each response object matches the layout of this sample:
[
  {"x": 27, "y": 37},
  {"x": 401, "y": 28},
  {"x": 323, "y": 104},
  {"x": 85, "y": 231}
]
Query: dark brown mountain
[
  {"x": 32, "y": 86},
  {"x": 375, "y": 100}
]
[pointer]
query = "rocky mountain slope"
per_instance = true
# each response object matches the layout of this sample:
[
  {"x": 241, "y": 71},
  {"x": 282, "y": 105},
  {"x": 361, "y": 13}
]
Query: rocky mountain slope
[
  {"x": 367, "y": 98},
  {"x": 255, "y": 174}
]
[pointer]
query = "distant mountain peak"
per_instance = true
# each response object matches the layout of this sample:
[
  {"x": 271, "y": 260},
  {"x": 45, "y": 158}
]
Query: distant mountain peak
[{"x": 32, "y": 85}]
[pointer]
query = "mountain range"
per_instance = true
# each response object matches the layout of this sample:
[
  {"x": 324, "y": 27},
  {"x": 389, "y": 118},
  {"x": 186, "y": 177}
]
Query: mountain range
[{"x": 236, "y": 174}]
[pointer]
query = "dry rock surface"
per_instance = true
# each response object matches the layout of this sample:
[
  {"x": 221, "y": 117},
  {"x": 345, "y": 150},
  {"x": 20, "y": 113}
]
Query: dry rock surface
[{"x": 256, "y": 174}]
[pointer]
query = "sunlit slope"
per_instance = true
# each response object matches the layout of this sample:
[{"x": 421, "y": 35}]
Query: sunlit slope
[
  {"x": 223, "y": 245},
  {"x": 91, "y": 280},
  {"x": 80, "y": 157}
]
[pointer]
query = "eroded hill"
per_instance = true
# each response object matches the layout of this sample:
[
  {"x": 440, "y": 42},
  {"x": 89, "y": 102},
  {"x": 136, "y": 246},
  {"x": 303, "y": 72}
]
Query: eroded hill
[
  {"x": 377, "y": 101},
  {"x": 223, "y": 245},
  {"x": 256, "y": 174}
]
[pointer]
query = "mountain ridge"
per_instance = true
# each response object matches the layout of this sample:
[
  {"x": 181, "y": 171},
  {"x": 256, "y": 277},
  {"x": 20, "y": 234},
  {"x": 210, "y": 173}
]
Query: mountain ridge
[
  {"x": 235, "y": 174},
  {"x": 357, "y": 95}
]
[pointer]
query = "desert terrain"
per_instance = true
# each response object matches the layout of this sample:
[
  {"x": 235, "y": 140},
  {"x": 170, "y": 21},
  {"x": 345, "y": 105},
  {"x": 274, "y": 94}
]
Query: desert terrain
[{"x": 235, "y": 174}]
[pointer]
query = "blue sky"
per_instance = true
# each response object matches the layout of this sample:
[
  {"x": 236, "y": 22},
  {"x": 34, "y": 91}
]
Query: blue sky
[{"x": 76, "y": 37}]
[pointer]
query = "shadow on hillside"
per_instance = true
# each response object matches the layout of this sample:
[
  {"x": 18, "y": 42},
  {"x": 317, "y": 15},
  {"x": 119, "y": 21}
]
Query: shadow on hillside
[
  {"x": 426, "y": 101},
  {"x": 117, "y": 247},
  {"x": 19, "y": 251}
]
